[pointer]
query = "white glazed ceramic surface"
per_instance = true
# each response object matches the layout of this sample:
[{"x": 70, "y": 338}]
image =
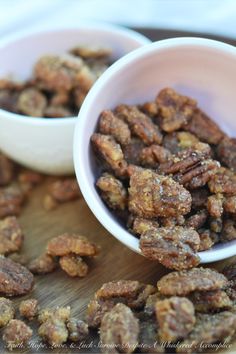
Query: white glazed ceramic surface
[
  {"x": 46, "y": 144},
  {"x": 200, "y": 68}
]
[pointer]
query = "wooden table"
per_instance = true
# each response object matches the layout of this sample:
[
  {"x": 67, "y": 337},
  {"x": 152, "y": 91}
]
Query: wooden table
[{"x": 115, "y": 261}]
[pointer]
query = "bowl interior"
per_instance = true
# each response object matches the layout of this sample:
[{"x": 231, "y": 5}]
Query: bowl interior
[{"x": 202, "y": 69}]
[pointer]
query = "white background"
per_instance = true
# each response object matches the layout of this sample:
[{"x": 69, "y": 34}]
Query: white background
[{"x": 209, "y": 16}]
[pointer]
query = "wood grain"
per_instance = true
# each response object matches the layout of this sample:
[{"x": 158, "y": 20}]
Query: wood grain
[{"x": 115, "y": 261}]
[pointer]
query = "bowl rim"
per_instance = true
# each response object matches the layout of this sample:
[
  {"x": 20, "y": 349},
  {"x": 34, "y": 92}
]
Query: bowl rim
[
  {"x": 86, "y": 25},
  {"x": 103, "y": 216}
]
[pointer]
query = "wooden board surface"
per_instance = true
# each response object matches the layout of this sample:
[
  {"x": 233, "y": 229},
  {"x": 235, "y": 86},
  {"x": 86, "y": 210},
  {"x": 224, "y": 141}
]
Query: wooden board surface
[{"x": 115, "y": 261}]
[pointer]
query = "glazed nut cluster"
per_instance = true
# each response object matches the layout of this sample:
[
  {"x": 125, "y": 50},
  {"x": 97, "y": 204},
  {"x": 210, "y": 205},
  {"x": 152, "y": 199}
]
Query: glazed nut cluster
[
  {"x": 168, "y": 172},
  {"x": 188, "y": 308},
  {"x": 58, "y": 85}
]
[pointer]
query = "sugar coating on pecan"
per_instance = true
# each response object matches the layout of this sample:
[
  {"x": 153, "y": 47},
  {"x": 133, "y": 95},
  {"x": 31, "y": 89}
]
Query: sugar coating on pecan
[
  {"x": 119, "y": 330},
  {"x": 71, "y": 243},
  {"x": 7, "y": 311},
  {"x": 153, "y": 155},
  {"x": 208, "y": 301},
  {"x": 73, "y": 265},
  {"x": 186, "y": 281},
  {"x": 53, "y": 331},
  {"x": 176, "y": 318},
  {"x": 111, "y": 152},
  {"x": 29, "y": 308},
  {"x": 11, "y": 235},
  {"x": 112, "y": 191},
  {"x": 223, "y": 181},
  {"x": 110, "y": 124},
  {"x": 16, "y": 333},
  {"x": 140, "y": 124},
  {"x": 78, "y": 329},
  {"x": 178, "y": 141},
  {"x": 141, "y": 225},
  {"x": 152, "y": 195},
  {"x": 175, "y": 248}
]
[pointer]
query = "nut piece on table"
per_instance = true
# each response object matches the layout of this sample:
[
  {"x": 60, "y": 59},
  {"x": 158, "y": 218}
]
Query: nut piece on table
[
  {"x": 186, "y": 281},
  {"x": 204, "y": 128},
  {"x": 11, "y": 235},
  {"x": 78, "y": 330},
  {"x": 6, "y": 170},
  {"x": 226, "y": 152},
  {"x": 152, "y": 195},
  {"x": 61, "y": 313},
  {"x": 109, "y": 124},
  {"x": 175, "y": 317},
  {"x": 140, "y": 124},
  {"x": 29, "y": 308},
  {"x": 65, "y": 190},
  {"x": 7, "y": 311},
  {"x": 16, "y": 333},
  {"x": 73, "y": 265},
  {"x": 53, "y": 331},
  {"x": 11, "y": 200},
  {"x": 96, "y": 310},
  {"x": 110, "y": 151},
  {"x": 112, "y": 191},
  {"x": 175, "y": 248},
  {"x": 209, "y": 301},
  {"x": 31, "y": 102},
  {"x": 43, "y": 264},
  {"x": 71, "y": 243},
  {"x": 15, "y": 279},
  {"x": 119, "y": 330},
  {"x": 209, "y": 329},
  {"x": 175, "y": 109}
]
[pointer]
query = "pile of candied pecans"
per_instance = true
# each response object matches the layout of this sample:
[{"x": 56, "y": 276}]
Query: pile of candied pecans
[
  {"x": 58, "y": 85},
  {"x": 169, "y": 173}
]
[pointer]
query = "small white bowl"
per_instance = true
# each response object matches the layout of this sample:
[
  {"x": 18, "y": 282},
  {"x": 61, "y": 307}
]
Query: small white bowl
[
  {"x": 46, "y": 144},
  {"x": 200, "y": 68}
]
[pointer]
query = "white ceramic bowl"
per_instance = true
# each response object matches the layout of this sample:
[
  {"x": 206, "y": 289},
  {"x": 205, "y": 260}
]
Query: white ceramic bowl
[
  {"x": 201, "y": 68},
  {"x": 46, "y": 144}
]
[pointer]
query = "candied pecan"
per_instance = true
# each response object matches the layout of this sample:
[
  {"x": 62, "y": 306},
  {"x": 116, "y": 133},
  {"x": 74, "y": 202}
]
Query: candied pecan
[
  {"x": 11, "y": 199},
  {"x": 230, "y": 204},
  {"x": 53, "y": 331},
  {"x": 53, "y": 111},
  {"x": 204, "y": 128},
  {"x": 207, "y": 330},
  {"x": 58, "y": 73},
  {"x": 223, "y": 181},
  {"x": 88, "y": 52},
  {"x": 215, "y": 205},
  {"x": 186, "y": 281},
  {"x": 140, "y": 225},
  {"x": 197, "y": 220},
  {"x": 152, "y": 195},
  {"x": 152, "y": 299},
  {"x": 228, "y": 231},
  {"x": 201, "y": 174},
  {"x": 111, "y": 152},
  {"x": 175, "y": 109},
  {"x": 71, "y": 243},
  {"x": 174, "y": 247},
  {"x": 178, "y": 141},
  {"x": 78, "y": 330},
  {"x": 175, "y": 317},
  {"x": 206, "y": 241},
  {"x": 6, "y": 170},
  {"x": 207, "y": 301},
  {"x": 61, "y": 313},
  {"x": 96, "y": 310},
  {"x": 15, "y": 279},
  {"x": 65, "y": 190},
  {"x": 150, "y": 108},
  {"x": 226, "y": 152},
  {"x": 29, "y": 308},
  {"x": 11, "y": 235},
  {"x": 132, "y": 151},
  {"x": 16, "y": 333},
  {"x": 199, "y": 198},
  {"x": 119, "y": 330},
  {"x": 152, "y": 155},
  {"x": 216, "y": 224},
  {"x": 112, "y": 191},
  {"x": 7, "y": 311},
  {"x": 111, "y": 125},
  {"x": 73, "y": 265},
  {"x": 43, "y": 264},
  {"x": 148, "y": 337},
  {"x": 140, "y": 124},
  {"x": 31, "y": 102}
]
